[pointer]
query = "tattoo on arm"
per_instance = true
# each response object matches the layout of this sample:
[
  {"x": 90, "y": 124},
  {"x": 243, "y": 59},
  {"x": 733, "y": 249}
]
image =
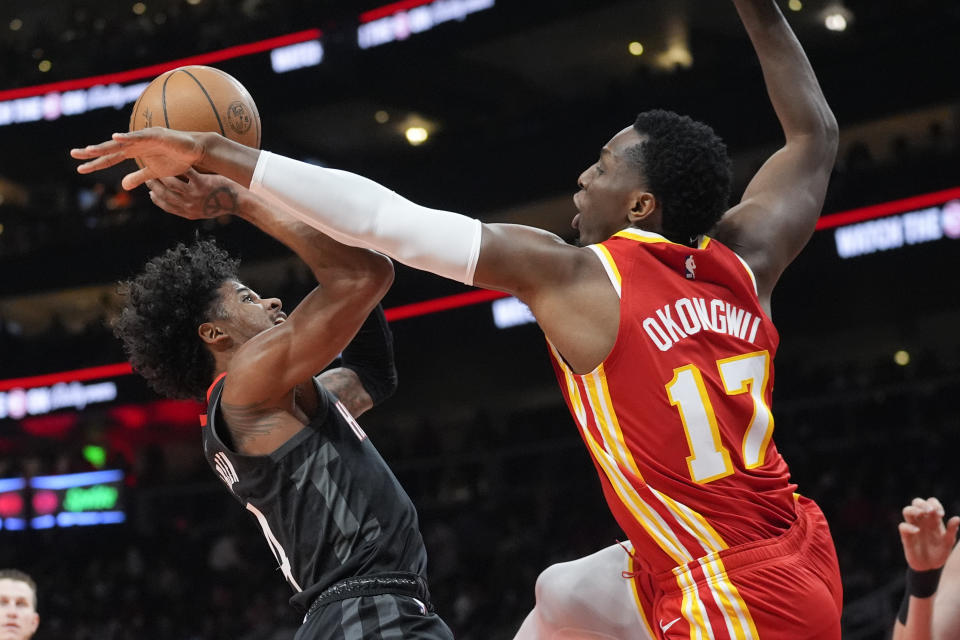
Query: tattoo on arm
[
  {"x": 250, "y": 421},
  {"x": 345, "y": 384},
  {"x": 221, "y": 201}
]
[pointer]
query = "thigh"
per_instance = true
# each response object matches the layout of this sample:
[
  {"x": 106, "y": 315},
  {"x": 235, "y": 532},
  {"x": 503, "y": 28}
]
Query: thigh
[
  {"x": 590, "y": 597},
  {"x": 388, "y": 616},
  {"x": 781, "y": 599}
]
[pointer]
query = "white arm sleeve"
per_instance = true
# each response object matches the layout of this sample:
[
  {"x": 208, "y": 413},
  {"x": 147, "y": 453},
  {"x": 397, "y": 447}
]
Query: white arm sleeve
[{"x": 359, "y": 212}]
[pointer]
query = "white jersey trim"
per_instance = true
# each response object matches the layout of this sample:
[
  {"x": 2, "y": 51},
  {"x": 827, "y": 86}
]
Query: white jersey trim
[{"x": 609, "y": 268}]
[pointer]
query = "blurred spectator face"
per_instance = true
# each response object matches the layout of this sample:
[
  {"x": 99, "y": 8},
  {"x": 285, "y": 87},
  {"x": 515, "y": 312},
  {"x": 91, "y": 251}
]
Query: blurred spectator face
[{"x": 18, "y": 614}]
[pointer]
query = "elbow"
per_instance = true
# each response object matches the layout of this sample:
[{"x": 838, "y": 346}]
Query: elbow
[
  {"x": 831, "y": 133},
  {"x": 377, "y": 273},
  {"x": 827, "y": 132},
  {"x": 384, "y": 272}
]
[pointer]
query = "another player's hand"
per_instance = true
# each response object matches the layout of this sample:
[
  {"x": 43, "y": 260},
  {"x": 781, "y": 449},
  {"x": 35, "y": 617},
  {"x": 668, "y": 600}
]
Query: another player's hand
[
  {"x": 926, "y": 541},
  {"x": 195, "y": 196},
  {"x": 162, "y": 152}
]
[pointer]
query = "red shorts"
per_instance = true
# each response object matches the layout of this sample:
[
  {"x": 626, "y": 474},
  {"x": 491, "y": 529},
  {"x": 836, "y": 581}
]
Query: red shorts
[{"x": 784, "y": 588}]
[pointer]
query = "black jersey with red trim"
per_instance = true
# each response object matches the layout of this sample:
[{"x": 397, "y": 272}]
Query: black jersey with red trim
[{"x": 327, "y": 503}]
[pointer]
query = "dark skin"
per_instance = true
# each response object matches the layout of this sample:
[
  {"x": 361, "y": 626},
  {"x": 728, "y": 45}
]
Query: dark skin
[
  {"x": 271, "y": 358},
  {"x": 566, "y": 287}
]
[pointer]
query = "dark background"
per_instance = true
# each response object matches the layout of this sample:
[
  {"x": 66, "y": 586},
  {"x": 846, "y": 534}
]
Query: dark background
[{"x": 520, "y": 98}]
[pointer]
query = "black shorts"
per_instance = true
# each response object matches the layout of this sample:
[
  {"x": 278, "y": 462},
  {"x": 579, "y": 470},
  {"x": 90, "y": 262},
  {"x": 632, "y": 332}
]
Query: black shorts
[{"x": 387, "y": 616}]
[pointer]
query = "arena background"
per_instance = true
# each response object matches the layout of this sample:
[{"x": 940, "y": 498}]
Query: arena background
[{"x": 516, "y": 97}]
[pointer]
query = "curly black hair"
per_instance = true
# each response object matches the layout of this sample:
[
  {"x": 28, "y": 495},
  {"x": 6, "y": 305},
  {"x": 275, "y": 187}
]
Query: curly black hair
[
  {"x": 176, "y": 293},
  {"x": 688, "y": 170}
]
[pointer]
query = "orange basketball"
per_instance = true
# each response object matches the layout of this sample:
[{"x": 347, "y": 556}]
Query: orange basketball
[{"x": 197, "y": 98}]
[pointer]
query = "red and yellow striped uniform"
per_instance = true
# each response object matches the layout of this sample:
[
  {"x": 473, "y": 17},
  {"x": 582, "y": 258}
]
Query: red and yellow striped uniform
[{"x": 677, "y": 420}]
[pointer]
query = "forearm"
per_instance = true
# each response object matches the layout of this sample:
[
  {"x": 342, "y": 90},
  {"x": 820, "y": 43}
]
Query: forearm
[
  {"x": 319, "y": 251},
  {"x": 360, "y": 212},
  {"x": 227, "y": 158},
  {"x": 791, "y": 83},
  {"x": 915, "y": 617},
  {"x": 918, "y": 621},
  {"x": 370, "y": 356}
]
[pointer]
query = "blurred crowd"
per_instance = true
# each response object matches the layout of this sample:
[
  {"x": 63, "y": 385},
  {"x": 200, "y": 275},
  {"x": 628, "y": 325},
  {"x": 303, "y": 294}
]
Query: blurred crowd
[{"x": 500, "y": 497}]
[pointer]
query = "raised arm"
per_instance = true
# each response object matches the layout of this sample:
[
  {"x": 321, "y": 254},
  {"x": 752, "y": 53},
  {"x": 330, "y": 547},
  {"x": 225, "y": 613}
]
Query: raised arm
[
  {"x": 927, "y": 544},
  {"x": 780, "y": 207},
  {"x": 368, "y": 375},
  {"x": 566, "y": 287}
]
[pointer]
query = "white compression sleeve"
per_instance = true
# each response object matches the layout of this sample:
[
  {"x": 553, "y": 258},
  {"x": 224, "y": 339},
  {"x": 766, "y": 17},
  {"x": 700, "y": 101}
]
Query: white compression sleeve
[{"x": 359, "y": 212}]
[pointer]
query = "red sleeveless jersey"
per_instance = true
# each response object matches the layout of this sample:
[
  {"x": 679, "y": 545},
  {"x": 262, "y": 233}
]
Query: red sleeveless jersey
[{"x": 677, "y": 418}]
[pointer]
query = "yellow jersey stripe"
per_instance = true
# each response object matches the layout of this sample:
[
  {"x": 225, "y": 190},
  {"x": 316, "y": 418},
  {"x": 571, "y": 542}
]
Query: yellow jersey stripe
[
  {"x": 693, "y": 609},
  {"x": 643, "y": 513},
  {"x": 606, "y": 417},
  {"x": 601, "y": 407},
  {"x": 695, "y": 524},
  {"x": 642, "y": 236},
  {"x": 647, "y": 622},
  {"x": 704, "y": 241},
  {"x": 732, "y": 602},
  {"x": 609, "y": 265}
]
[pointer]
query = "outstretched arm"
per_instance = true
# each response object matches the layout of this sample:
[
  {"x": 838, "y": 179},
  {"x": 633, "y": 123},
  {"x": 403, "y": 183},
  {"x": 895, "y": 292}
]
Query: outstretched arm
[
  {"x": 780, "y": 207},
  {"x": 566, "y": 287}
]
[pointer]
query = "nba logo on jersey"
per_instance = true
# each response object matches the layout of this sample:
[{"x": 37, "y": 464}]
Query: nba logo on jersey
[
  {"x": 225, "y": 470},
  {"x": 691, "y": 266}
]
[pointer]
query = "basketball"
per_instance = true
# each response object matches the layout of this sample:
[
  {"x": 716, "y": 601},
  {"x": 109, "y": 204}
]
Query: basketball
[{"x": 198, "y": 98}]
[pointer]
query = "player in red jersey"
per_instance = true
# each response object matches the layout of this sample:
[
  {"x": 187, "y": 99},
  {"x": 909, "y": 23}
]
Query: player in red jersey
[{"x": 660, "y": 335}]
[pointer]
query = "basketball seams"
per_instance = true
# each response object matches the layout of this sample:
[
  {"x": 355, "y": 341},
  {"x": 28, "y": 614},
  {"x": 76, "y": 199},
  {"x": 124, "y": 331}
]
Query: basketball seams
[
  {"x": 209, "y": 99},
  {"x": 163, "y": 99},
  {"x": 186, "y": 109}
]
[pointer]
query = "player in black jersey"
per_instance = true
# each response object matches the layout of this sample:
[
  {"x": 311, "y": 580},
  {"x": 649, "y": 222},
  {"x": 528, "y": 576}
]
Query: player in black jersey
[{"x": 285, "y": 443}]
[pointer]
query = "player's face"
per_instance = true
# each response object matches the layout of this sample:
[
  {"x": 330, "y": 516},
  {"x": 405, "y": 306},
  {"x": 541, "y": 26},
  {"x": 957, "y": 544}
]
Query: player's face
[
  {"x": 18, "y": 614},
  {"x": 245, "y": 314},
  {"x": 608, "y": 190}
]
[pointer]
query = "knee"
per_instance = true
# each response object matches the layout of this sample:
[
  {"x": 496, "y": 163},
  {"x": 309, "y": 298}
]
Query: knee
[{"x": 554, "y": 592}]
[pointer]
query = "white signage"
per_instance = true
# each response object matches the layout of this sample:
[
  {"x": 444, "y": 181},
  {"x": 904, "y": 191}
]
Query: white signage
[
  {"x": 893, "y": 232},
  {"x": 19, "y": 403},
  {"x": 402, "y": 24},
  {"x": 69, "y": 103},
  {"x": 296, "y": 56}
]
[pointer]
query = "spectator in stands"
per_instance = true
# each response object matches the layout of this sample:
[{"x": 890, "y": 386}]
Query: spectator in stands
[
  {"x": 929, "y": 609},
  {"x": 18, "y": 605}
]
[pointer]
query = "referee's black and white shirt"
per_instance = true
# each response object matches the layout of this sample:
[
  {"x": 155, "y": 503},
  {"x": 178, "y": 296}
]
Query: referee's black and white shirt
[{"x": 328, "y": 504}]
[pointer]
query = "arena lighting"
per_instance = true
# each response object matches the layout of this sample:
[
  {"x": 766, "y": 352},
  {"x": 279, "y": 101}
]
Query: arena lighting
[
  {"x": 72, "y": 500},
  {"x": 76, "y": 479},
  {"x": 835, "y": 22},
  {"x": 894, "y": 232},
  {"x": 416, "y": 135},
  {"x": 836, "y": 17},
  {"x": 400, "y": 20},
  {"x": 71, "y": 97},
  {"x": 479, "y": 296},
  {"x": 296, "y": 56}
]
